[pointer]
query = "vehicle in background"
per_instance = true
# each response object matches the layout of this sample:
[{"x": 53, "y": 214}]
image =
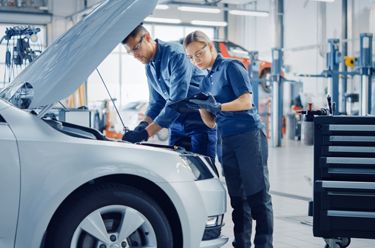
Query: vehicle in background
[
  {"x": 231, "y": 50},
  {"x": 132, "y": 113}
]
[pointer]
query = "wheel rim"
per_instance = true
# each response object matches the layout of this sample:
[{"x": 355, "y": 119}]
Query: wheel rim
[
  {"x": 266, "y": 86},
  {"x": 114, "y": 226}
]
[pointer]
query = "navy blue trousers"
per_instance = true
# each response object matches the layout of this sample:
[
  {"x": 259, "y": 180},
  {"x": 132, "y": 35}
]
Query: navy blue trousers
[
  {"x": 245, "y": 166},
  {"x": 190, "y": 132}
]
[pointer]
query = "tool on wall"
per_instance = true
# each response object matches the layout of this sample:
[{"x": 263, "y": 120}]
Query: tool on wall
[{"x": 18, "y": 51}]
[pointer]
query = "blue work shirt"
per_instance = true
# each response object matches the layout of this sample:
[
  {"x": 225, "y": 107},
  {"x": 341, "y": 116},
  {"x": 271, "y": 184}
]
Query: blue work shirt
[
  {"x": 171, "y": 78},
  {"x": 227, "y": 80}
]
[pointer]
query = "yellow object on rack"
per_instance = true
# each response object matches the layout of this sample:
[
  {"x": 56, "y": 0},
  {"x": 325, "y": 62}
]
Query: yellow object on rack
[
  {"x": 78, "y": 98},
  {"x": 349, "y": 61}
]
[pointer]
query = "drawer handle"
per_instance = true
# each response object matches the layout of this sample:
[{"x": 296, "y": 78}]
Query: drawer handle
[
  {"x": 348, "y": 185},
  {"x": 351, "y": 171},
  {"x": 359, "y": 194},
  {"x": 361, "y": 128},
  {"x": 339, "y": 160},
  {"x": 353, "y": 149},
  {"x": 353, "y": 214},
  {"x": 352, "y": 138}
]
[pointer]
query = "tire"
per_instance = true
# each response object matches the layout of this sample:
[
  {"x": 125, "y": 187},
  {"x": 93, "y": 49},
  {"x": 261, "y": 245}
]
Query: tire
[
  {"x": 163, "y": 134},
  {"x": 109, "y": 214}
]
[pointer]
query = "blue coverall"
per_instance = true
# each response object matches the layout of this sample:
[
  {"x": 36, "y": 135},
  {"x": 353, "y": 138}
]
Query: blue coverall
[
  {"x": 172, "y": 78},
  {"x": 245, "y": 153}
]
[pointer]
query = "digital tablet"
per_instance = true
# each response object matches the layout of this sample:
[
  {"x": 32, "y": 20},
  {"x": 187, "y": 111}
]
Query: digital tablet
[{"x": 181, "y": 106}]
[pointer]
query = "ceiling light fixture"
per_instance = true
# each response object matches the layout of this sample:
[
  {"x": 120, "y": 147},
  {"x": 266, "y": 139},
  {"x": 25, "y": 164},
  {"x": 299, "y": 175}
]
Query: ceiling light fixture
[
  {"x": 209, "y": 23},
  {"x": 198, "y": 9},
  {"x": 162, "y": 20},
  {"x": 162, "y": 6},
  {"x": 248, "y": 13}
]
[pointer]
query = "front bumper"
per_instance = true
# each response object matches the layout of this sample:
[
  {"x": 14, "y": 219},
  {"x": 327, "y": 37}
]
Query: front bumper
[
  {"x": 214, "y": 198},
  {"x": 196, "y": 201},
  {"x": 214, "y": 243}
]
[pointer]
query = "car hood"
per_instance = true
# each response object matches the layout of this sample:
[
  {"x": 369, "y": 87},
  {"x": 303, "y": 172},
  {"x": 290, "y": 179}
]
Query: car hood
[{"x": 67, "y": 63}]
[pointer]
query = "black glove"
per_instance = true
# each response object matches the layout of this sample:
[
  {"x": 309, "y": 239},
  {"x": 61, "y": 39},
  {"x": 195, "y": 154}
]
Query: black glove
[
  {"x": 141, "y": 126},
  {"x": 135, "y": 136},
  {"x": 210, "y": 104}
]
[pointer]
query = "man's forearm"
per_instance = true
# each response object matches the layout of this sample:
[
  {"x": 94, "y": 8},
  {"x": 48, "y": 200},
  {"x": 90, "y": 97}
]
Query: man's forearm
[
  {"x": 147, "y": 119},
  {"x": 153, "y": 129}
]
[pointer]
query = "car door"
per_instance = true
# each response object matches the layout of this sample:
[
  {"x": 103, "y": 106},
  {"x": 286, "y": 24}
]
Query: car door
[{"x": 9, "y": 185}]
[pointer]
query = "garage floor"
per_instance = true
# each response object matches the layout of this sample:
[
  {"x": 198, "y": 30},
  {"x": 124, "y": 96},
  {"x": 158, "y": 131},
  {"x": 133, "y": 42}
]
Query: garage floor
[{"x": 290, "y": 195}]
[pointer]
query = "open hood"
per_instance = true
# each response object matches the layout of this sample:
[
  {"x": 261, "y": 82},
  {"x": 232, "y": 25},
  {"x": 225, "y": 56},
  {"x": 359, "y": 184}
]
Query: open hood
[{"x": 62, "y": 68}]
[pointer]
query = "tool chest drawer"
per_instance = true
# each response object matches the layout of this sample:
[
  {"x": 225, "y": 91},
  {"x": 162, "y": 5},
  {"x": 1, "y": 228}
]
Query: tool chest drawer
[
  {"x": 347, "y": 168},
  {"x": 343, "y": 208},
  {"x": 344, "y": 177},
  {"x": 350, "y": 196}
]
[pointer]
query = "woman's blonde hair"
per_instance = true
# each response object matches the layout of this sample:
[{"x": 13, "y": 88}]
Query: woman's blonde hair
[{"x": 200, "y": 37}]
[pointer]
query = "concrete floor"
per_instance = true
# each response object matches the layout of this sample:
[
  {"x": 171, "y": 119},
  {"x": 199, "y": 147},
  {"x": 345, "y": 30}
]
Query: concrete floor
[{"x": 290, "y": 192}]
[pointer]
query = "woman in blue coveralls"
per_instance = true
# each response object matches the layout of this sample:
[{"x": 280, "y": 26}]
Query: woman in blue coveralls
[{"x": 245, "y": 148}]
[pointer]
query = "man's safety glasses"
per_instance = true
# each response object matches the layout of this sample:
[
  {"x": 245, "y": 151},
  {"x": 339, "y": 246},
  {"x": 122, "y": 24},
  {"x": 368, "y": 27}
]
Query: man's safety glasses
[{"x": 137, "y": 47}]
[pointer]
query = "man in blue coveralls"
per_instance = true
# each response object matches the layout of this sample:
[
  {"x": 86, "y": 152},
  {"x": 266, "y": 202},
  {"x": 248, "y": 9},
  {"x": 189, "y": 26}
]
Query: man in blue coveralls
[{"x": 171, "y": 78}]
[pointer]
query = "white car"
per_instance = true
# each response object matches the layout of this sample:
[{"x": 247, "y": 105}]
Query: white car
[{"x": 64, "y": 185}]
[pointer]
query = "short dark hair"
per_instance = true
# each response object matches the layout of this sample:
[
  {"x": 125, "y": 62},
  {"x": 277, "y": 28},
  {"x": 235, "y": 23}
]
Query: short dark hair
[{"x": 135, "y": 32}]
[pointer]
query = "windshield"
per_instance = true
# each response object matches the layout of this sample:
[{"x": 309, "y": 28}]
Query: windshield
[{"x": 19, "y": 94}]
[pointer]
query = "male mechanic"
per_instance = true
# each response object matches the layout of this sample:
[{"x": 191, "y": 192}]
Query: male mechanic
[{"x": 171, "y": 78}]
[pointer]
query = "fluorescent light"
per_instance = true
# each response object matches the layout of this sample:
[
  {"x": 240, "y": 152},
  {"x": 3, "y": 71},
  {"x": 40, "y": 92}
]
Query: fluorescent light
[
  {"x": 162, "y": 6},
  {"x": 248, "y": 13},
  {"x": 198, "y": 9},
  {"x": 209, "y": 23},
  {"x": 162, "y": 20}
]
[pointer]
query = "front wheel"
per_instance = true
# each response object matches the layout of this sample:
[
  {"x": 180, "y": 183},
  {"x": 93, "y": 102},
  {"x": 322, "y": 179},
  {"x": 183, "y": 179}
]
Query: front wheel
[{"x": 109, "y": 215}]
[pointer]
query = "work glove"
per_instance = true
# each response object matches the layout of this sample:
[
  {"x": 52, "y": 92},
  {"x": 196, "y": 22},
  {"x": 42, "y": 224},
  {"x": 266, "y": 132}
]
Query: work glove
[
  {"x": 135, "y": 136},
  {"x": 141, "y": 126},
  {"x": 211, "y": 105}
]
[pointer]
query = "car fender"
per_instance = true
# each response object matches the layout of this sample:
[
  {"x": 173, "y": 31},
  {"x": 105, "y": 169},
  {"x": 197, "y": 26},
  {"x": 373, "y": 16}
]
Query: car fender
[{"x": 53, "y": 165}]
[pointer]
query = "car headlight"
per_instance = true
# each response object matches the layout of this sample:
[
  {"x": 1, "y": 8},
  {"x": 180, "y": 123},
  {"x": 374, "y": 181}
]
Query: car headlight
[
  {"x": 197, "y": 167},
  {"x": 214, "y": 221}
]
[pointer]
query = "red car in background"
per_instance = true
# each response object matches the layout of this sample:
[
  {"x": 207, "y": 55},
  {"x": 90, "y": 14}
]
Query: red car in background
[{"x": 231, "y": 50}]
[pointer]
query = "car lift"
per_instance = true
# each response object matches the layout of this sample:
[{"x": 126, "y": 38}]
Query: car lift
[
  {"x": 363, "y": 65},
  {"x": 277, "y": 90}
]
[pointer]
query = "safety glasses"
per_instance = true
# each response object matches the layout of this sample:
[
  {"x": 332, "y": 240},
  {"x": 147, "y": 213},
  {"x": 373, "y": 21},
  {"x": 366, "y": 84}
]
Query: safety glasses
[
  {"x": 198, "y": 54},
  {"x": 137, "y": 48}
]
